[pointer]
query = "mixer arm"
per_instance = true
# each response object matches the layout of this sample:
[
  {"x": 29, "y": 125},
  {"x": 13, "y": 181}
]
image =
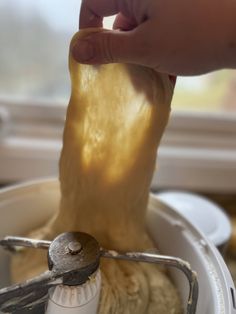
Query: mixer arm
[
  {"x": 72, "y": 258},
  {"x": 27, "y": 295},
  {"x": 167, "y": 261}
]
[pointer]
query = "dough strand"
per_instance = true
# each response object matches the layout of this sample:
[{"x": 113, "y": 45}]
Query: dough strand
[{"x": 115, "y": 119}]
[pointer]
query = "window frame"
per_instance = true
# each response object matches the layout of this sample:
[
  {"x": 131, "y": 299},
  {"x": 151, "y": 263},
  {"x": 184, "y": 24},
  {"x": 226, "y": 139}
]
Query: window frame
[{"x": 197, "y": 151}]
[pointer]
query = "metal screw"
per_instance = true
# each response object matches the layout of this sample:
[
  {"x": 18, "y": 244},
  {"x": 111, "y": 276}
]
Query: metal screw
[{"x": 74, "y": 247}]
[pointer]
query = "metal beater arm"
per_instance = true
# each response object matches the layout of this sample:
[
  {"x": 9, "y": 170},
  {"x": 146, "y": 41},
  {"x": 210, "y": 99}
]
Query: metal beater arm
[
  {"x": 77, "y": 250},
  {"x": 10, "y": 243},
  {"x": 163, "y": 260}
]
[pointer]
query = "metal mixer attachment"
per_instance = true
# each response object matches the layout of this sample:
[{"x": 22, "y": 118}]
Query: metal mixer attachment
[{"x": 72, "y": 258}]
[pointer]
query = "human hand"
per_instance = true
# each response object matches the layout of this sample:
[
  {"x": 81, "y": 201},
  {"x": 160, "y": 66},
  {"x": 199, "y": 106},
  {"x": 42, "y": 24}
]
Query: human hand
[{"x": 177, "y": 37}]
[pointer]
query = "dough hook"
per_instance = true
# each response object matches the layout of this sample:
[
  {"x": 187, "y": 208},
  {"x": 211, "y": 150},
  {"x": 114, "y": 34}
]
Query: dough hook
[{"x": 72, "y": 258}]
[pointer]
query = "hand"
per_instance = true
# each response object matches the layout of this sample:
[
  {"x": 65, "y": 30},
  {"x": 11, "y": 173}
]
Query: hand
[{"x": 177, "y": 37}]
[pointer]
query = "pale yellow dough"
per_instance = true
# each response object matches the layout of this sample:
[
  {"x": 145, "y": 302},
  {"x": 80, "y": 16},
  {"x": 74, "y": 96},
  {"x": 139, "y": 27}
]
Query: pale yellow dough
[{"x": 115, "y": 119}]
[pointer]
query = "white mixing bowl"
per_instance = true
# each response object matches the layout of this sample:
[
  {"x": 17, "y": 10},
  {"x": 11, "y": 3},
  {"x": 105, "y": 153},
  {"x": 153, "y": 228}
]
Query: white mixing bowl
[
  {"x": 206, "y": 215},
  {"x": 26, "y": 206}
]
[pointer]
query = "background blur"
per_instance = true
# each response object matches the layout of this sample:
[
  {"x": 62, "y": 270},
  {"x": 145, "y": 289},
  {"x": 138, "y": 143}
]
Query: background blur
[{"x": 34, "y": 39}]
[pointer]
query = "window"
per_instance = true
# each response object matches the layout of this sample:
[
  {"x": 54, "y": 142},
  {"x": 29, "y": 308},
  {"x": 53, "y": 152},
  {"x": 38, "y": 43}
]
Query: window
[
  {"x": 198, "y": 150},
  {"x": 34, "y": 39},
  {"x": 214, "y": 92}
]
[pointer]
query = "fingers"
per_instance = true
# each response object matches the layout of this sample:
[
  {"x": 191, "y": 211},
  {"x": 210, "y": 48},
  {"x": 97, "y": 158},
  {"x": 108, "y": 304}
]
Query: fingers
[
  {"x": 93, "y": 11},
  {"x": 124, "y": 23},
  {"x": 112, "y": 46},
  {"x": 129, "y": 45},
  {"x": 103, "y": 47},
  {"x": 88, "y": 18}
]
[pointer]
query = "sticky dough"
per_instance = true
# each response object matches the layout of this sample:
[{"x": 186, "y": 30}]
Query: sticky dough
[{"x": 115, "y": 119}]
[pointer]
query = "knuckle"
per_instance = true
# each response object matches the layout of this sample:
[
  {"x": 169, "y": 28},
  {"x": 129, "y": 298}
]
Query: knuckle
[
  {"x": 105, "y": 48},
  {"x": 101, "y": 48}
]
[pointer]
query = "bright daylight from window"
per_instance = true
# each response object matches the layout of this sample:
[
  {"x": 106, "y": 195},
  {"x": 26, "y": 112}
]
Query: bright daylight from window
[{"x": 33, "y": 51}]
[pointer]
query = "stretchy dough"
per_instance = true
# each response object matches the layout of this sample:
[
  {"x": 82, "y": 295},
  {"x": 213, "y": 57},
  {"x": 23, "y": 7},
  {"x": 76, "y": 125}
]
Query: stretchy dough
[{"x": 116, "y": 116}]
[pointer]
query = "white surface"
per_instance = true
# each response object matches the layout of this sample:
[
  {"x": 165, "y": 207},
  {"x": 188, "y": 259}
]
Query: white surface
[
  {"x": 82, "y": 299},
  {"x": 24, "y": 208},
  {"x": 203, "y": 213}
]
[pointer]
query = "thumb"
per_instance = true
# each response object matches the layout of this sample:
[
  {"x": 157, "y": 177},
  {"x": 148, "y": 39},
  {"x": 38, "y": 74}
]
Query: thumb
[{"x": 108, "y": 47}]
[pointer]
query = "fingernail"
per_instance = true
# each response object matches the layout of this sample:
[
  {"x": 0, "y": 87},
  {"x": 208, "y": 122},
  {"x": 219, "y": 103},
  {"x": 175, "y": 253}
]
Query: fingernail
[{"x": 83, "y": 51}]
